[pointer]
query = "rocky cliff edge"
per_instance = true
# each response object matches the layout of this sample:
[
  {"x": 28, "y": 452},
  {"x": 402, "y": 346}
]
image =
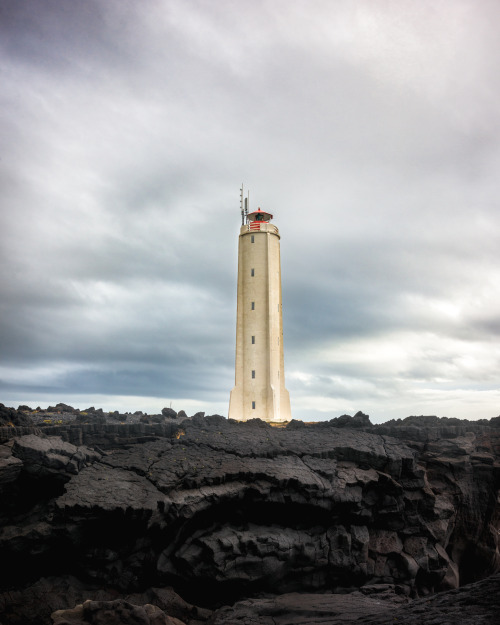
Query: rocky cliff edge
[{"x": 222, "y": 512}]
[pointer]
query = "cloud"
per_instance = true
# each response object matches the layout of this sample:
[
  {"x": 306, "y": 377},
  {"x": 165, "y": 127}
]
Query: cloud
[{"x": 370, "y": 131}]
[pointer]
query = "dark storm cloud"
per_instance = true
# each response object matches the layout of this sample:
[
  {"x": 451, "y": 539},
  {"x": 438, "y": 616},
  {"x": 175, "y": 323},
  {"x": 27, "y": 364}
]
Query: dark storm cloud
[
  {"x": 373, "y": 134},
  {"x": 62, "y": 37}
]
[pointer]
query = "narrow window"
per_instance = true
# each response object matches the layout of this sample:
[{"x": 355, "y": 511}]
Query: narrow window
[
  {"x": 253, "y": 405},
  {"x": 253, "y": 373},
  {"x": 253, "y": 305},
  {"x": 252, "y": 238},
  {"x": 252, "y": 272},
  {"x": 253, "y": 340}
]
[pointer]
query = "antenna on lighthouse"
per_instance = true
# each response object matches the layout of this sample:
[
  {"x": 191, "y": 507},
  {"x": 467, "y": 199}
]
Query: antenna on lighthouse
[{"x": 241, "y": 206}]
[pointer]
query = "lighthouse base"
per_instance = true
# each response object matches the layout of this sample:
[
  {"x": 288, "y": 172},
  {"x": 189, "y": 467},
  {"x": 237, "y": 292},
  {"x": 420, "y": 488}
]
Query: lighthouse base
[{"x": 271, "y": 405}]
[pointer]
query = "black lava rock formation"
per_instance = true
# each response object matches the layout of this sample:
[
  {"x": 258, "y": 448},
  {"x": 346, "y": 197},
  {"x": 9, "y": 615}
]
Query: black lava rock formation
[{"x": 210, "y": 520}]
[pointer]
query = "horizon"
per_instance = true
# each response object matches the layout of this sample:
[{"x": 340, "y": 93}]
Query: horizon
[{"x": 44, "y": 406}]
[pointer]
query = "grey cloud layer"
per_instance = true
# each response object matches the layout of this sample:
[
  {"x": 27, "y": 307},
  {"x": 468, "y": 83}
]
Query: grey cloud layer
[{"x": 371, "y": 132}]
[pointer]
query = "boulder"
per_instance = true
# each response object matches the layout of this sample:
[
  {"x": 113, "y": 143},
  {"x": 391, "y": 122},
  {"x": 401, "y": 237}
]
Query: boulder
[
  {"x": 118, "y": 416},
  {"x": 36, "y": 603},
  {"x": 118, "y": 612},
  {"x": 359, "y": 420},
  {"x": 25, "y": 409},
  {"x": 94, "y": 417},
  {"x": 12, "y": 417},
  {"x": 52, "y": 456},
  {"x": 93, "y": 410}
]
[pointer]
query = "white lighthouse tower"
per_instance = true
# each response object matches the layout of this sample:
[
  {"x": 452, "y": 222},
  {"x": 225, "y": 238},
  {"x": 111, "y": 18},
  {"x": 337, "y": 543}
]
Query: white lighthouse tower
[{"x": 259, "y": 390}]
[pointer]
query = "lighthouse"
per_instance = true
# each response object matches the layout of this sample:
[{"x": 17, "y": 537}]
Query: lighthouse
[{"x": 259, "y": 390}]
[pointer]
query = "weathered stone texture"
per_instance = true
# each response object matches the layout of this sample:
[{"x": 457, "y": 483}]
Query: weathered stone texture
[{"x": 223, "y": 511}]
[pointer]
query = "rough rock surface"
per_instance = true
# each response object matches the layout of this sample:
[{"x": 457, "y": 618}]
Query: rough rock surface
[
  {"x": 10, "y": 467},
  {"x": 12, "y": 417},
  {"x": 58, "y": 594},
  {"x": 475, "y": 604},
  {"x": 224, "y": 511},
  {"x": 52, "y": 456},
  {"x": 118, "y": 612}
]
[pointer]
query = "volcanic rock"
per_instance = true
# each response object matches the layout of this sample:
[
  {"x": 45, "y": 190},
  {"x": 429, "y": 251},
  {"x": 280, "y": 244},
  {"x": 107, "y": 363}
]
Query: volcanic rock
[
  {"x": 224, "y": 511},
  {"x": 10, "y": 467},
  {"x": 48, "y": 595},
  {"x": 118, "y": 612},
  {"x": 13, "y": 417},
  {"x": 475, "y": 604},
  {"x": 52, "y": 456}
]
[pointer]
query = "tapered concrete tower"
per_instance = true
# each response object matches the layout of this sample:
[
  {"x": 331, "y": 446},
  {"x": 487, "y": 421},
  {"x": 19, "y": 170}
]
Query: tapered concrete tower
[{"x": 259, "y": 390}]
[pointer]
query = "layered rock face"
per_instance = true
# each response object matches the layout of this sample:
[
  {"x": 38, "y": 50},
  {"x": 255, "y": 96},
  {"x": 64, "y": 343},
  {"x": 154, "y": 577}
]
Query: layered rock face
[{"x": 222, "y": 511}]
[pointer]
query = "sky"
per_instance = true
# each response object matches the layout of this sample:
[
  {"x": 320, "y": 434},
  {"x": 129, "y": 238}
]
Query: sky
[{"x": 370, "y": 129}]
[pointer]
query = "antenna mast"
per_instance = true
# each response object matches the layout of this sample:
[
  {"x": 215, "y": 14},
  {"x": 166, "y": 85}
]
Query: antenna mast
[
  {"x": 241, "y": 206},
  {"x": 244, "y": 205}
]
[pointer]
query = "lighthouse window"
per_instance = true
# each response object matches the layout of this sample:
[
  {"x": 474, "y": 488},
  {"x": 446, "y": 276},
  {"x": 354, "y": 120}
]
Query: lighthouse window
[
  {"x": 253, "y": 305},
  {"x": 253, "y": 405},
  {"x": 253, "y": 340},
  {"x": 253, "y": 373},
  {"x": 252, "y": 272},
  {"x": 252, "y": 238}
]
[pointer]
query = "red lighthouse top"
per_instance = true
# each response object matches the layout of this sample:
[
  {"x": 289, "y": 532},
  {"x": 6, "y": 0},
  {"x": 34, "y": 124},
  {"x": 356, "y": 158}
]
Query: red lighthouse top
[{"x": 259, "y": 215}]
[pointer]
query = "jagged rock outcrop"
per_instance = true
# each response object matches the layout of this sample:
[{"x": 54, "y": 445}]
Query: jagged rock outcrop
[
  {"x": 50, "y": 595},
  {"x": 117, "y": 612},
  {"x": 223, "y": 511},
  {"x": 10, "y": 467},
  {"x": 51, "y": 456},
  {"x": 11, "y": 417}
]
